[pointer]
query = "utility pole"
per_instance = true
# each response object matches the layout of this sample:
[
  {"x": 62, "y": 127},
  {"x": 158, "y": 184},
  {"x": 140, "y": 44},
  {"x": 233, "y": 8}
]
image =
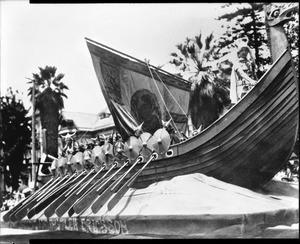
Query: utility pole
[{"x": 33, "y": 156}]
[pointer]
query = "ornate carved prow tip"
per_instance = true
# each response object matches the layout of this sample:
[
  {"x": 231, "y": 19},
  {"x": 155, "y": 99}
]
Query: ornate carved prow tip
[{"x": 276, "y": 15}]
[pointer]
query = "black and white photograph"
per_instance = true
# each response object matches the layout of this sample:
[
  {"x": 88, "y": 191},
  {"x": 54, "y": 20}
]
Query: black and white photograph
[{"x": 149, "y": 121}]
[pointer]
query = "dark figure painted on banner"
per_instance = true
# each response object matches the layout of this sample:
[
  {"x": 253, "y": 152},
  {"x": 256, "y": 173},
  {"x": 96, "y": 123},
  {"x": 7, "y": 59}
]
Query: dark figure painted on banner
[{"x": 146, "y": 109}]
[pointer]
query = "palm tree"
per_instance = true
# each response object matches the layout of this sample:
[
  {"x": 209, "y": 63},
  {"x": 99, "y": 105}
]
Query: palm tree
[
  {"x": 194, "y": 56},
  {"x": 207, "y": 98},
  {"x": 49, "y": 90}
]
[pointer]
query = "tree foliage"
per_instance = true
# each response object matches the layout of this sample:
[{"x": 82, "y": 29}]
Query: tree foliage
[
  {"x": 194, "y": 59},
  {"x": 15, "y": 137},
  {"x": 249, "y": 20},
  {"x": 194, "y": 55},
  {"x": 49, "y": 94},
  {"x": 246, "y": 20}
]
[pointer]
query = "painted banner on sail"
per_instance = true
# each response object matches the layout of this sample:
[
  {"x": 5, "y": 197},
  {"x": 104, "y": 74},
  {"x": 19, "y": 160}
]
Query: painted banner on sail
[{"x": 140, "y": 94}]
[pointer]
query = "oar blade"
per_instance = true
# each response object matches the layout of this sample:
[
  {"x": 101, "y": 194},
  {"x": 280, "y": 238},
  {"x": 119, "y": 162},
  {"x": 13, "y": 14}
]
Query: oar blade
[
  {"x": 86, "y": 200},
  {"x": 122, "y": 191},
  {"x": 116, "y": 198},
  {"x": 107, "y": 193}
]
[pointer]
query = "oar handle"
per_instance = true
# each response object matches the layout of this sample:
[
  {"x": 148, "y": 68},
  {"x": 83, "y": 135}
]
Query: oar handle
[
  {"x": 79, "y": 183},
  {"x": 118, "y": 181},
  {"x": 121, "y": 192},
  {"x": 132, "y": 179},
  {"x": 102, "y": 177},
  {"x": 52, "y": 186},
  {"x": 23, "y": 210},
  {"x": 90, "y": 180},
  {"x": 105, "y": 195},
  {"x": 72, "y": 197},
  {"x": 113, "y": 175},
  {"x": 72, "y": 179},
  {"x": 88, "y": 197}
]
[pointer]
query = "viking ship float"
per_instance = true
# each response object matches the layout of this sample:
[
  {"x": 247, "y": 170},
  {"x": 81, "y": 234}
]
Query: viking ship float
[{"x": 245, "y": 147}]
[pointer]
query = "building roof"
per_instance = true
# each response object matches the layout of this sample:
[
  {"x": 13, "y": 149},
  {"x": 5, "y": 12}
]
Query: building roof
[{"x": 89, "y": 122}]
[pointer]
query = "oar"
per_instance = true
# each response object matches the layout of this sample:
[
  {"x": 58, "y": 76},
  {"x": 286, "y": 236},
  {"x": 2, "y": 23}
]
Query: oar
[
  {"x": 87, "y": 200},
  {"x": 55, "y": 193},
  {"x": 43, "y": 200},
  {"x": 132, "y": 148},
  {"x": 121, "y": 192},
  {"x": 106, "y": 194},
  {"x": 89, "y": 187},
  {"x": 85, "y": 190},
  {"x": 50, "y": 198},
  {"x": 72, "y": 197},
  {"x": 161, "y": 142},
  {"x": 24, "y": 209},
  {"x": 26, "y": 200},
  {"x": 57, "y": 187},
  {"x": 50, "y": 210},
  {"x": 22, "y": 212}
]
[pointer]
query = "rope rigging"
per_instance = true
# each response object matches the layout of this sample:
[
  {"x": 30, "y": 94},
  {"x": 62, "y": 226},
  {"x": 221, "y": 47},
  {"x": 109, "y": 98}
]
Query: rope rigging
[
  {"x": 163, "y": 98},
  {"x": 173, "y": 98}
]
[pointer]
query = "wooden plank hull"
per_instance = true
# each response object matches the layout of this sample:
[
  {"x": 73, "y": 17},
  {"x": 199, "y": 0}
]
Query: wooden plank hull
[{"x": 248, "y": 145}]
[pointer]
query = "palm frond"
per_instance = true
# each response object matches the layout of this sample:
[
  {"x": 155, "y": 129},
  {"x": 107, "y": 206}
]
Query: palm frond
[
  {"x": 208, "y": 41},
  {"x": 198, "y": 41},
  {"x": 62, "y": 86},
  {"x": 51, "y": 70},
  {"x": 63, "y": 95},
  {"x": 183, "y": 49},
  {"x": 191, "y": 49},
  {"x": 59, "y": 76},
  {"x": 174, "y": 54}
]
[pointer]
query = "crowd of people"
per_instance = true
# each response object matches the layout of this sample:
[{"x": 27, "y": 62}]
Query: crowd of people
[{"x": 11, "y": 199}]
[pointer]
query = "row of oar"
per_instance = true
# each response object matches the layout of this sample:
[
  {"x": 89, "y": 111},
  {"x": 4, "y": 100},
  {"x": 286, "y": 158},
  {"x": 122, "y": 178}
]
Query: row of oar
[{"x": 95, "y": 187}]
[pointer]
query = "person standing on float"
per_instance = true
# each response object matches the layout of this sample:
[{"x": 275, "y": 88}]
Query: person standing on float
[{"x": 243, "y": 75}]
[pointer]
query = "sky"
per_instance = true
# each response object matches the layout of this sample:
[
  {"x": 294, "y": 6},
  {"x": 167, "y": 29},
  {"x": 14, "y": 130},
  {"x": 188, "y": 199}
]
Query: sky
[{"x": 36, "y": 35}]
